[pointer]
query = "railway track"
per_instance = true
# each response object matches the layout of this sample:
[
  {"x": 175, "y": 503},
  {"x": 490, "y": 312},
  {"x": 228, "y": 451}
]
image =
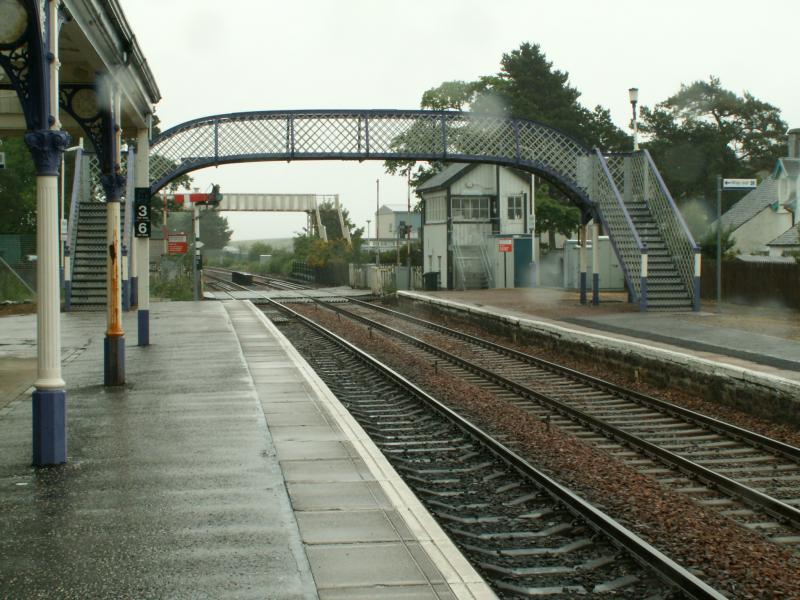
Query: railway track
[
  {"x": 220, "y": 274},
  {"x": 751, "y": 479},
  {"x": 528, "y": 535}
]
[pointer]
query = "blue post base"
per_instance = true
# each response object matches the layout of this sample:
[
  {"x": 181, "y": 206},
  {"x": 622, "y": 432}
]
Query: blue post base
[
  {"x": 643, "y": 295},
  {"x": 126, "y": 297},
  {"x": 67, "y": 295},
  {"x": 144, "y": 327},
  {"x": 49, "y": 427},
  {"x": 114, "y": 361},
  {"x": 595, "y": 288},
  {"x": 583, "y": 287},
  {"x": 696, "y": 302},
  {"x": 134, "y": 292}
]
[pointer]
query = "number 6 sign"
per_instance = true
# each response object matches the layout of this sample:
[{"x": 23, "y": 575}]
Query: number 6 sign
[{"x": 141, "y": 208}]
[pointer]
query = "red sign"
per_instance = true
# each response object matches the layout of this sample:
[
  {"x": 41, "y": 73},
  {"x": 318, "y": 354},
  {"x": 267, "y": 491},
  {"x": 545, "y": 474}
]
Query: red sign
[
  {"x": 177, "y": 244},
  {"x": 195, "y": 197},
  {"x": 505, "y": 245}
]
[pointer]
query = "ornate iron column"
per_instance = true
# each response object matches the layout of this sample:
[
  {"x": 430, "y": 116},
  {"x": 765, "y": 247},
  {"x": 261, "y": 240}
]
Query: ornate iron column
[
  {"x": 29, "y": 55},
  {"x": 113, "y": 184}
]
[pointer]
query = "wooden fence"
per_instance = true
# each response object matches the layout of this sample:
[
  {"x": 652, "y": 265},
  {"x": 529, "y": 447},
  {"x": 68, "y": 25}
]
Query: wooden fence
[{"x": 753, "y": 283}]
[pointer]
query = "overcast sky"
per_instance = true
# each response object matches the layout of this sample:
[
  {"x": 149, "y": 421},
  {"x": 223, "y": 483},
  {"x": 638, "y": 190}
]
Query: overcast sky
[{"x": 213, "y": 57}]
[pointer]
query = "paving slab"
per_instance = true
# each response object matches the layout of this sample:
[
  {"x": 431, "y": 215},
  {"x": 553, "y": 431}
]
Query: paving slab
[
  {"x": 224, "y": 468},
  {"x": 172, "y": 489},
  {"x": 366, "y": 534},
  {"x": 689, "y": 331}
]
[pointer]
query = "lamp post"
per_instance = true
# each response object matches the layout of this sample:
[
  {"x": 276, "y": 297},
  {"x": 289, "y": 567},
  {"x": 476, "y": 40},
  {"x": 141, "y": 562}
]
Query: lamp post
[
  {"x": 368, "y": 222},
  {"x": 633, "y": 94}
]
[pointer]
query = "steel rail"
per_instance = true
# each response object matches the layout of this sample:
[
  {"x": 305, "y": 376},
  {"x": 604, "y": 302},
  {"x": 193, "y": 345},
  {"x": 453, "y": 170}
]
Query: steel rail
[
  {"x": 771, "y": 505},
  {"x": 751, "y": 437},
  {"x": 643, "y": 552}
]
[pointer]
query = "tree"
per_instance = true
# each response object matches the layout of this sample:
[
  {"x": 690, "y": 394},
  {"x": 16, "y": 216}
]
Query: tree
[
  {"x": 257, "y": 249},
  {"x": 214, "y": 231},
  {"x": 708, "y": 245},
  {"x": 704, "y": 130},
  {"x": 554, "y": 216},
  {"x": 526, "y": 87},
  {"x": 17, "y": 189}
]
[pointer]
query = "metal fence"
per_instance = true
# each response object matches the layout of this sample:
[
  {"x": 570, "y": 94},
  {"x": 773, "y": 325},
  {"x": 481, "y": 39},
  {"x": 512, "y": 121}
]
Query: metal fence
[
  {"x": 381, "y": 279},
  {"x": 17, "y": 267}
]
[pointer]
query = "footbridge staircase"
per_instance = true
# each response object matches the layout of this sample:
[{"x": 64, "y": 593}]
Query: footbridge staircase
[
  {"x": 625, "y": 192},
  {"x": 86, "y": 243}
]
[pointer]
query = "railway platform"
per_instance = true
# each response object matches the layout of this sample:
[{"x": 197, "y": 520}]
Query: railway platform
[
  {"x": 224, "y": 468},
  {"x": 763, "y": 340}
]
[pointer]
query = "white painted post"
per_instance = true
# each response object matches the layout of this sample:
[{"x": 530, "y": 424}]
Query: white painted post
[
  {"x": 535, "y": 266},
  {"x": 114, "y": 356},
  {"x": 595, "y": 262},
  {"x": 49, "y": 400},
  {"x": 142, "y": 245},
  {"x": 582, "y": 260}
]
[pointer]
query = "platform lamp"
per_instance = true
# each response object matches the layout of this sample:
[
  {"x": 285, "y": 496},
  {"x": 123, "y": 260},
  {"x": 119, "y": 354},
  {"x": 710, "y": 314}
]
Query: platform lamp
[{"x": 633, "y": 95}]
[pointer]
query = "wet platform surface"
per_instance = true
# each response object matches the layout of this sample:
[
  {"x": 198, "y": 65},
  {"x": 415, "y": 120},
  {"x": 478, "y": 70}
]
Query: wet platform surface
[
  {"x": 690, "y": 332},
  {"x": 221, "y": 470}
]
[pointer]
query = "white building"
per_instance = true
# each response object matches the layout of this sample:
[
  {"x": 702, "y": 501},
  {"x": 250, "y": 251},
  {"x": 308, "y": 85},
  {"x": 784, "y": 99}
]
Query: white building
[
  {"x": 476, "y": 226},
  {"x": 392, "y": 216},
  {"x": 764, "y": 219}
]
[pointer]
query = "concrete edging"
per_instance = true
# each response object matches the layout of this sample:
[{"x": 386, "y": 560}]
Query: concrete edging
[
  {"x": 459, "y": 574},
  {"x": 719, "y": 381}
]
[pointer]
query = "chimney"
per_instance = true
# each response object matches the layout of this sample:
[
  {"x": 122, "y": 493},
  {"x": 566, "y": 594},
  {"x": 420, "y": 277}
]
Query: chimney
[{"x": 794, "y": 142}]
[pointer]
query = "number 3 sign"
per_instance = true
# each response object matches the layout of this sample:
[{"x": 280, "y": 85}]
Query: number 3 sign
[{"x": 141, "y": 208}]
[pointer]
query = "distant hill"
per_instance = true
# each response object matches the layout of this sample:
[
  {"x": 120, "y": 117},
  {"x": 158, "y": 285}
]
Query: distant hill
[{"x": 277, "y": 243}]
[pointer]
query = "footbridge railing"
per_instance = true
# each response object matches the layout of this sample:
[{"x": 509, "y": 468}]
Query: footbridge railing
[
  {"x": 365, "y": 135},
  {"x": 638, "y": 180},
  {"x": 590, "y": 179},
  {"x": 616, "y": 220}
]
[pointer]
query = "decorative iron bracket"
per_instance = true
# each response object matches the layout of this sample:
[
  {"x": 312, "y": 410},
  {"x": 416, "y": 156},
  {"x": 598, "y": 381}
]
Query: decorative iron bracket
[
  {"x": 24, "y": 61},
  {"x": 80, "y": 101}
]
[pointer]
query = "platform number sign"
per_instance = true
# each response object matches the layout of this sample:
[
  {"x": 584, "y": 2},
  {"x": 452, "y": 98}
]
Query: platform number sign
[{"x": 141, "y": 208}]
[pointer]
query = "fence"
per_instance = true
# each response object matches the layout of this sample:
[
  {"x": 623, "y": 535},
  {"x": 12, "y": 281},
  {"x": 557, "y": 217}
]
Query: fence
[
  {"x": 381, "y": 279},
  {"x": 753, "y": 283},
  {"x": 17, "y": 266},
  {"x": 333, "y": 274}
]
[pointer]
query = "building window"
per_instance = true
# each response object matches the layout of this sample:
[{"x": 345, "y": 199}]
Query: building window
[
  {"x": 470, "y": 208},
  {"x": 435, "y": 210},
  {"x": 515, "y": 207}
]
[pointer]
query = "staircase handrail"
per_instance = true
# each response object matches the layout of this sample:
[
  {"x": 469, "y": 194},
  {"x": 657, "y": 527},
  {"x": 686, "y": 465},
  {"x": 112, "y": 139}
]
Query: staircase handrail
[
  {"x": 675, "y": 232},
  {"x": 127, "y": 223},
  {"x": 675, "y": 210},
  {"x": 459, "y": 261},
  {"x": 487, "y": 266},
  {"x": 616, "y": 219},
  {"x": 75, "y": 200}
]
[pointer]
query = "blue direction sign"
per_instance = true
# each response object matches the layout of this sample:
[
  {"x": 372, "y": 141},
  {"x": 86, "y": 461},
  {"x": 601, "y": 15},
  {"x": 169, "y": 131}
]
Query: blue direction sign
[{"x": 141, "y": 212}]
